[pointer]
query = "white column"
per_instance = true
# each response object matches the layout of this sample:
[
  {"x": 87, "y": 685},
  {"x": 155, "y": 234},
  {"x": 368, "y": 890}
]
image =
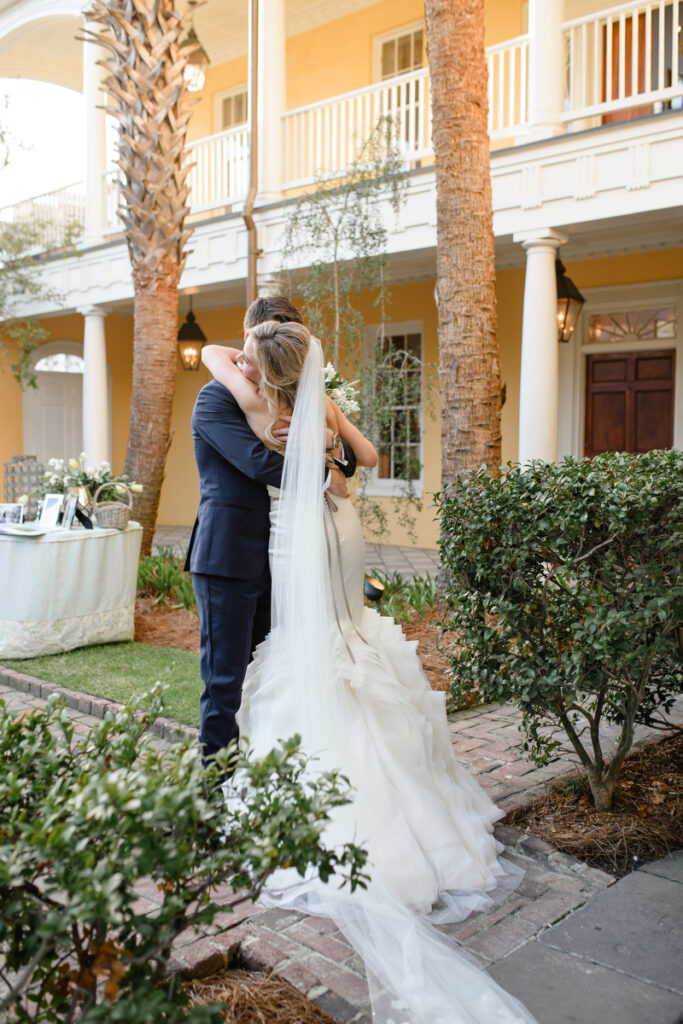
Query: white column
[
  {"x": 95, "y": 144},
  {"x": 95, "y": 387},
  {"x": 546, "y": 70},
  {"x": 271, "y": 98},
  {"x": 539, "y": 376}
]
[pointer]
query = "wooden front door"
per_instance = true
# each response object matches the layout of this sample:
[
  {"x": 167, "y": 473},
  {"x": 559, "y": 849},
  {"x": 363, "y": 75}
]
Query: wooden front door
[
  {"x": 629, "y": 402},
  {"x": 634, "y": 74}
]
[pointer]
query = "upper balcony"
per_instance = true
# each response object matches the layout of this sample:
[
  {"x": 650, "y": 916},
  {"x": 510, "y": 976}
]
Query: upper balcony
[{"x": 620, "y": 63}]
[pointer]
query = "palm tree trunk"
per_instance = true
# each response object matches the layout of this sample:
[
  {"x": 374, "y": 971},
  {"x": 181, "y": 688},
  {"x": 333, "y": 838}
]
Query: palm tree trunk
[
  {"x": 469, "y": 359},
  {"x": 154, "y": 376}
]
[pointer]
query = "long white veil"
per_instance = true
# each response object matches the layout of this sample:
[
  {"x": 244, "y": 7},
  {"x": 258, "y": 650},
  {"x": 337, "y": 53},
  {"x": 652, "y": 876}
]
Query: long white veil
[{"x": 416, "y": 974}]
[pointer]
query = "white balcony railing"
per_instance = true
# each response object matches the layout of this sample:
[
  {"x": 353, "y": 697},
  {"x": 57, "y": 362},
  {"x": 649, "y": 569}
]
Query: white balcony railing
[
  {"x": 621, "y": 62},
  {"x": 508, "y": 68},
  {"x": 623, "y": 58},
  {"x": 219, "y": 177},
  {"x": 56, "y": 216},
  {"x": 324, "y": 138}
]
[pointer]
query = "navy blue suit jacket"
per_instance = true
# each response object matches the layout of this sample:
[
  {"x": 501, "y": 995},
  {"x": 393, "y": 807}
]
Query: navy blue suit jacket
[{"x": 230, "y": 535}]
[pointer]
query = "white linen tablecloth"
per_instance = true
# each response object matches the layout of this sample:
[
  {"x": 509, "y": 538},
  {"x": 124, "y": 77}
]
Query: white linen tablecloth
[{"x": 66, "y": 589}]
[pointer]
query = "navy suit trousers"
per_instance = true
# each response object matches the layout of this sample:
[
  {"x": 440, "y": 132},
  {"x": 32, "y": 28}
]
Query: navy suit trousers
[{"x": 234, "y": 616}]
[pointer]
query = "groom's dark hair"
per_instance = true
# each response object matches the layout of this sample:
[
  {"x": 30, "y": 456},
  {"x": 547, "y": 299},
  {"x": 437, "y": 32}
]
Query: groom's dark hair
[
  {"x": 274, "y": 307},
  {"x": 271, "y": 307}
]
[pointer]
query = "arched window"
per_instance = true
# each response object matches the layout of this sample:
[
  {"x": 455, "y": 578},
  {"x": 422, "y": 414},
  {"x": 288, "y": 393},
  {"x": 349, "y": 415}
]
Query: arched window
[{"x": 60, "y": 362}]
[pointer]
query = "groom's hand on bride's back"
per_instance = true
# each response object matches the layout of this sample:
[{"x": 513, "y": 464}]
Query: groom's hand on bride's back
[{"x": 338, "y": 486}]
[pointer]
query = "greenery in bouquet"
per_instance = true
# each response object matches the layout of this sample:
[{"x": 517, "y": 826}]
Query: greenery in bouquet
[
  {"x": 343, "y": 392},
  {"x": 63, "y": 474}
]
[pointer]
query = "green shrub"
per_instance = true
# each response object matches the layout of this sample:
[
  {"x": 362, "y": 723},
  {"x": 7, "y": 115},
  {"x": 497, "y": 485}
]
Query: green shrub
[
  {"x": 84, "y": 819},
  {"x": 565, "y": 589},
  {"x": 162, "y": 574}
]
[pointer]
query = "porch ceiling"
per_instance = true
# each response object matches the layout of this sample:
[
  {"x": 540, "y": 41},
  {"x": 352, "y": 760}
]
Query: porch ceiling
[{"x": 37, "y": 42}]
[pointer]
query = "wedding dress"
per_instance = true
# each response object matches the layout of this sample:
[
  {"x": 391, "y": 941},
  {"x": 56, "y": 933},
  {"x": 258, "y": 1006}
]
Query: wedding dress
[{"x": 347, "y": 680}]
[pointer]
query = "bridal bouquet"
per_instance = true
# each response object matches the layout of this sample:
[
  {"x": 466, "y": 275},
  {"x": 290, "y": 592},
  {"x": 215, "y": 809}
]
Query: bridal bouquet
[
  {"x": 65, "y": 474},
  {"x": 343, "y": 392}
]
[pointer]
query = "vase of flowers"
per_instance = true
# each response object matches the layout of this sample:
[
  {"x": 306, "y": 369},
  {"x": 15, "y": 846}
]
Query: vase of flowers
[{"x": 77, "y": 476}]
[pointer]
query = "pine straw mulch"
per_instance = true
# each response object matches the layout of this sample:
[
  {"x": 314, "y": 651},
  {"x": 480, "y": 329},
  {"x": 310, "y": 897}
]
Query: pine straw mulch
[
  {"x": 252, "y": 998},
  {"x": 165, "y": 626},
  {"x": 646, "y": 821}
]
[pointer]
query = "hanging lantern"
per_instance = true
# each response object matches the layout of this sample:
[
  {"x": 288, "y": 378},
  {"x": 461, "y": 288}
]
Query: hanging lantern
[
  {"x": 191, "y": 339},
  {"x": 570, "y": 302},
  {"x": 198, "y": 58}
]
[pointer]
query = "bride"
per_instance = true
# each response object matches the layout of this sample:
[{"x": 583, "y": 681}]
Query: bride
[{"x": 348, "y": 682}]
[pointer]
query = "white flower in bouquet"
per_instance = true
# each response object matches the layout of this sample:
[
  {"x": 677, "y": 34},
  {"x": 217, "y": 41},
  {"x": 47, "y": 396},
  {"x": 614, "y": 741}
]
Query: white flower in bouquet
[
  {"x": 343, "y": 392},
  {"x": 64, "y": 474}
]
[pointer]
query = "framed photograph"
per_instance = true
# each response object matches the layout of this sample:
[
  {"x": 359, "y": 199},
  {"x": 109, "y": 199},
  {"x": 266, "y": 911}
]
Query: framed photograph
[
  {"x": 11, "y": 513},
  {"x": 69, "y": 510},
  {"x": 52, "y": 504}
]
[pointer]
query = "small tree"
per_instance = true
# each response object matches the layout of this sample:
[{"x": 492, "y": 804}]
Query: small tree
[
  {"x": 338, "y": 234},
  {"x": 84, "y": 820},
  {"x": 565, "y": 595},
  {"x": 21, "y": 279}
]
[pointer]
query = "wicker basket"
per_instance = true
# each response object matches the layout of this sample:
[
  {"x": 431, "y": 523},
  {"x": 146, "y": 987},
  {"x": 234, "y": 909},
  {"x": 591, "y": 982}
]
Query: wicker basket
[{"x": 112, "y": 514}]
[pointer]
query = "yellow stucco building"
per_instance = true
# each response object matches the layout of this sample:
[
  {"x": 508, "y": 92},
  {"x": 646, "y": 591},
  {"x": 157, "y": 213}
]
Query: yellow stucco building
[{"x": 586, "y": 124}]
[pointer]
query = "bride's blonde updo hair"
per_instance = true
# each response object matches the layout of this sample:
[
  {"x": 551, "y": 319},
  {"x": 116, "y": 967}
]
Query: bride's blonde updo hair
[{"x": 279, "y": 351}]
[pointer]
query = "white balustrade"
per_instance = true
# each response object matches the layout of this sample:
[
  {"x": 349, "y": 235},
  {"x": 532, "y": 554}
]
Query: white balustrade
[
  {"x": 323, "y": 139},
  {"x": 112, "y": 182},
  {"x": 624, "y": 57},
  {"x": 56, "y": 216},
  {"x": 508, "y": 87},
  {"x": 220, "y": 176}
]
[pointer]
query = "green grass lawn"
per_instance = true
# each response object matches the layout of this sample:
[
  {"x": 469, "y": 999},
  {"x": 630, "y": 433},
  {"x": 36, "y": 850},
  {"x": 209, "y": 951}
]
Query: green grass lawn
[{"x": 122, "y": 671}]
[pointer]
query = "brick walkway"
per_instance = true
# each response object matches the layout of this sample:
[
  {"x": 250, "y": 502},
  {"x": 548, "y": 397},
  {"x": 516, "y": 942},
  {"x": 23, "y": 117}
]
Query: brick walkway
[{"x": 310, "y": 952}]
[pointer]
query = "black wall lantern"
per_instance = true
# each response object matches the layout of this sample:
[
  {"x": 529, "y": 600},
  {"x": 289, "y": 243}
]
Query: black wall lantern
[
  {"x": 570, "y": 302},
  {"x": 191, "y": 338}
]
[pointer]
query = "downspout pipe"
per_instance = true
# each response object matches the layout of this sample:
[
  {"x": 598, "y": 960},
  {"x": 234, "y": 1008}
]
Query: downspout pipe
[{"x": 252, "y": 239}]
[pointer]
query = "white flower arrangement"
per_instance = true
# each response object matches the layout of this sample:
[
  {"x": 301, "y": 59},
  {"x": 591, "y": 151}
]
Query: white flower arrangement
[
  {"x": 66, "y": 473},
  {"x": 343, "y": 392}
]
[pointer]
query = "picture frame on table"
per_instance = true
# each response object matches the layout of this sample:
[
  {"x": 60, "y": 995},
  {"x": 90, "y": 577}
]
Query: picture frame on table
[
  {"x": 52, "y": 506},
  {"x": 11, "y": 513},
  {"x": 69, "y": 511}
]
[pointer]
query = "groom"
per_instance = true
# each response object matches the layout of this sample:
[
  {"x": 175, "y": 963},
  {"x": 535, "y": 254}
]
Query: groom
[{"x": 228, "y": 552}]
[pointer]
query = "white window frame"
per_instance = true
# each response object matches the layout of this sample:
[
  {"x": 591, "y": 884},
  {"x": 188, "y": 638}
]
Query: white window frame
[
  {"x": 218, "y": 106},
  {"x": 617, "y": 298},
  {"x": 386, "y": 37},
  {"x": 375, "y": 486}
]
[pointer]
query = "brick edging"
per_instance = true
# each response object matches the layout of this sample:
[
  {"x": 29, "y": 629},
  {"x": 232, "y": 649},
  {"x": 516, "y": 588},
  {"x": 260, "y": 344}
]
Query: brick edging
[{"x": 98, "y": 707}]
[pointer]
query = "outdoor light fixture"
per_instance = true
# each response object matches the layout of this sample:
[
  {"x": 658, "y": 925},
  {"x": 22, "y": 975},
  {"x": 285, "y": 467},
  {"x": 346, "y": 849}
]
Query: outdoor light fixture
[
  {"x": 373, "y": 589},
  {"x": 198, "y": 59},
  {"x": 570, "y": 302},
  {"x": 191, "y": 338}
]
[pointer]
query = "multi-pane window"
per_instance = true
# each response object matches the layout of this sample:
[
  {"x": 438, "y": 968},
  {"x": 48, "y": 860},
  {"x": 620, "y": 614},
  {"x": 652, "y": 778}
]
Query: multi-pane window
[
  {"x": 403, "y": 52},
  {"x": 232, "y": 109},
  {"x": 640, "y": 324},
  {"x": 399, "y": 384},
  {"x": 60, "y": 362}
]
